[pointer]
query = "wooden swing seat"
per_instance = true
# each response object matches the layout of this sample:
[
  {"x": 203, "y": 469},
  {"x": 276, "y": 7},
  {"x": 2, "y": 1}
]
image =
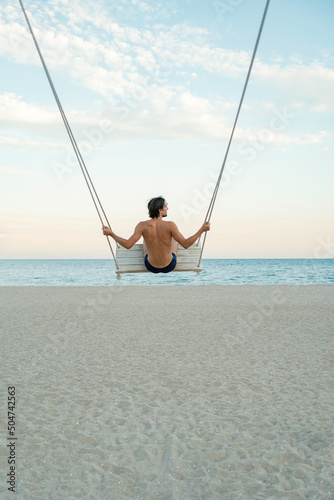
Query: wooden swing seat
[{"x": 132, "y": 260}]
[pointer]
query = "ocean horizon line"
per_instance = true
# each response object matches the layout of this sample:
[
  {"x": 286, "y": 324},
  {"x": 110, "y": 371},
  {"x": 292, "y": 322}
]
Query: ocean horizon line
[{"x": 204, "y": 259}]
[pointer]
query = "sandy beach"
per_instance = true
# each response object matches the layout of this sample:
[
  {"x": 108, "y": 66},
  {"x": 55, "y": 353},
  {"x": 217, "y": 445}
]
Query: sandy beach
[{"x": 188, "y": 392}]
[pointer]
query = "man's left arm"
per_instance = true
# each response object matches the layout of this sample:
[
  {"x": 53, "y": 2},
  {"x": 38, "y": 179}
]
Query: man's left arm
[{"x": 126, "y": 243}]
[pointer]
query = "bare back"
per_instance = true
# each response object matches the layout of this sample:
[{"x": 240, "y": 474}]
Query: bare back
[
  {"x": 157, "y": 236},
  {"x": 160, "y": 238}
]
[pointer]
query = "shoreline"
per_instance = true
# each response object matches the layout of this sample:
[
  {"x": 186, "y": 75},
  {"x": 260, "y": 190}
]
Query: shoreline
[{"x": 171, "y": 286}]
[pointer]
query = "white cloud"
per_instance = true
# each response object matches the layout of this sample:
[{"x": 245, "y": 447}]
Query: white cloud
[
  {"x": 23, "y": 143},
  {"x": 322, "y": 137},
  {"x": 17, "y": 172},
  {"x": 312, "y": 83},
  {"x": 137, "y": 71},
  {"x": 164, "y": 114},
  {"x": 13, "y": 109},
  {"x": 15, "y": 42},
  {"x": 114, "y": 60}
]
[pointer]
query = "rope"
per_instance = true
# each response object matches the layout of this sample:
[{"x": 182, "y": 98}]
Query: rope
[
  {"x": 215, "y": 192},
  {"x": 89, "y": 182}
]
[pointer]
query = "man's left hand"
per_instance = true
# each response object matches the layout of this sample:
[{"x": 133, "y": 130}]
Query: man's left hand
[{"x": 106, "y": 231}]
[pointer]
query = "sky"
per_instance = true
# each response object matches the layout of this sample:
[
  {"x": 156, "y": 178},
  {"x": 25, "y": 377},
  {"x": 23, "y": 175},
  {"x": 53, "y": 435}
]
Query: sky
[{"x": 151, "y": 90}]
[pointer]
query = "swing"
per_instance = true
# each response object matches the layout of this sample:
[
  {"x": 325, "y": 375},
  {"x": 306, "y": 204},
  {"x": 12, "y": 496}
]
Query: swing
[{"x": 132, "y": 260}]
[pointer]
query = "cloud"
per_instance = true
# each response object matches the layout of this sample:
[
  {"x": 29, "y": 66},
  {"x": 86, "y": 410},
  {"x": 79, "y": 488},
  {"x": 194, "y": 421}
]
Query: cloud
[
  {"x": 13, "y": 109},
  {"x": 28, "y": 125},
  {"x": 146, "y": 76},
  {"x": 311, "y": 83},
  {"x": 114, "y": 60},
  {"x": 162, "y": 115},
  {"x": 322, "y": 137},
  {"x": 264, "y": 136},
  {"x": 17, "y": 172},
  {"x": 27, "y": 143}
]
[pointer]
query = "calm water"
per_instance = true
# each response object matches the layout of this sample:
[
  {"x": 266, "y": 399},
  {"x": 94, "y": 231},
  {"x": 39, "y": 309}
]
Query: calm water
[{"x": 215, "y": 272}]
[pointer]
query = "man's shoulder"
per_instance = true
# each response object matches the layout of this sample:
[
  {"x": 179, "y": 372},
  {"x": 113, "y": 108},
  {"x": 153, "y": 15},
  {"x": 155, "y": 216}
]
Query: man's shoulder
[
  {"x": 144, "y": 222},
  {"x": 167, "y": 224},
  {"x": 149, "y": 221}
]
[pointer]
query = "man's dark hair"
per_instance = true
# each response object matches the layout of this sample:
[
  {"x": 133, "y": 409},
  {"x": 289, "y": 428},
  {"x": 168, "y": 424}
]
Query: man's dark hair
[{"x": 154, "y": 205}]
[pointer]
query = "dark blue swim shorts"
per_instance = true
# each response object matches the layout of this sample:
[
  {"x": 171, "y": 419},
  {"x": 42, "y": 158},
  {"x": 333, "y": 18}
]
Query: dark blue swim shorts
[{"x": 167, "y": 269}]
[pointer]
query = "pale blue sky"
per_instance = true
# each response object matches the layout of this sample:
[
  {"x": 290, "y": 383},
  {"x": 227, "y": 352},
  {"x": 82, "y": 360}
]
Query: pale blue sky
[{"x": 151, "y": 89}]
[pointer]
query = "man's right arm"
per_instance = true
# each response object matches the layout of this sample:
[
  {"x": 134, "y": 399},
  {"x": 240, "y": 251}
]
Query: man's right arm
[
  {"x": 126, "y": 243},
  {"x": 187, "y": 242}
]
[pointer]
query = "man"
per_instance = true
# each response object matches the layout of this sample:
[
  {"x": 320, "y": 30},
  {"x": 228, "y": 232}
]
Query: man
[{"x": 160, "y": 238}]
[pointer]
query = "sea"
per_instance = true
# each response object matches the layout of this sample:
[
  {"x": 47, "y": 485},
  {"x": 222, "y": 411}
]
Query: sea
[{"x": 101, "y": 272}]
